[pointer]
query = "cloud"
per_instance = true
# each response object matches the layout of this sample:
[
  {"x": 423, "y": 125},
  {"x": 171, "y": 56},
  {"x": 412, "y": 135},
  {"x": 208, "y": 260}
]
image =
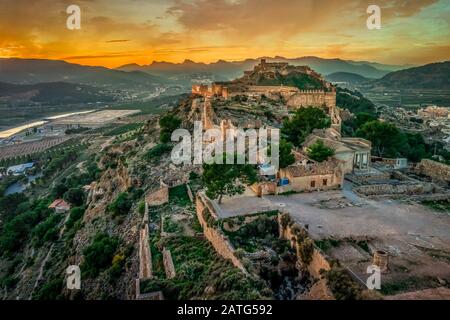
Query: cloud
[
  {"x": 101, "y": 56},
  {"x": 256, "y": 18},
  {"x": 117, "y": 41},
  {"x": 207, "y": 30}
]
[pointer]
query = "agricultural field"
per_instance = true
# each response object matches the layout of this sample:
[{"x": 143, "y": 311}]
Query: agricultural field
[
  {"x": 29, "y": 148},
  {"x": 96, "y": 118}
]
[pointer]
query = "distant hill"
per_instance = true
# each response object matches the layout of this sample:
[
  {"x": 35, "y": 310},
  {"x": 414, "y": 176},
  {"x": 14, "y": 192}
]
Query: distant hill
[
  {"x": 347, "y": 77},
  {"x": 381, "y": 66},
  {"x": 430, "y": 76},
  {"x": 32, "y": 71},
  {"x": 354, "y": 101},
  {"x": 234, "y": 69},
  {"x": 50, "y": 93}
]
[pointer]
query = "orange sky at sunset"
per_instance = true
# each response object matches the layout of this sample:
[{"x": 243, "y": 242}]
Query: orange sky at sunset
[{"x": 116, "y": 32}]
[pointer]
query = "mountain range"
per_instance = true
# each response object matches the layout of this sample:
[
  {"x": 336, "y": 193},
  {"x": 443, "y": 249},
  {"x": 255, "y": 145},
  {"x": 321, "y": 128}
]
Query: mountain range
[
  {"x": 51, "y": 74},
  {"x": 224, "y": 70},
  {"x": 51, "y": 93},
  {"x": 33, "y": 71},
  {"x": 430, "y": 76}
]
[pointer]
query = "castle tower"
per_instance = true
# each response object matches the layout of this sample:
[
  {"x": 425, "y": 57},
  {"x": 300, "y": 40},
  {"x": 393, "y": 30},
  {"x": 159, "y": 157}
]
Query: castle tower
[{"x": 263, "y": 64}]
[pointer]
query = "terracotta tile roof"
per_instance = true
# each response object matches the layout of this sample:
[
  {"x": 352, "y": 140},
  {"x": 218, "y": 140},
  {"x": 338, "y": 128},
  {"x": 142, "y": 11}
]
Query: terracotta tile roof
[{"x": 59, "y": 203}]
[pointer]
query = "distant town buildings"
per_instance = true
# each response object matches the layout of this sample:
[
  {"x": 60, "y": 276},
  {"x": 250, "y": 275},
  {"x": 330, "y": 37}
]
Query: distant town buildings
[{"x": 433, "y": 112}]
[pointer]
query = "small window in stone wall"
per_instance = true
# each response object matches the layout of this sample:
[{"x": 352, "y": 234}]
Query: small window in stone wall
[
  {"x": 325, "y": 182},
  {"x": 313, "y": 184}
]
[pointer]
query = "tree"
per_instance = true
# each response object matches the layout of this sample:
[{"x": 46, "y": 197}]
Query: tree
[
  {"x": 386, "y": 138},
  {"x": 75, "y": 196},
  {"x": 286, "y": 156},
  {"x": 168, "y": 124},
  {"x": 416, "y": 148},
  {"x": 99, "y": 254},
  {"x": 76, "y": 214},
  {"x": 155, "y": 153},
  {"x": 303, "y": 123},
  {"x": 318, "y": 151},
  {"x": 352, "y": 125},
  {"x": 227, "y": 179},
  {"x": 59, "y": 190}
]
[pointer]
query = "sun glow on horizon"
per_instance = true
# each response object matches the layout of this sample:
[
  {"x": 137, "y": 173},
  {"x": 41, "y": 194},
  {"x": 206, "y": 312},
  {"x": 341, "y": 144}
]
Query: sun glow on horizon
[{"x": 114, "y": 33}]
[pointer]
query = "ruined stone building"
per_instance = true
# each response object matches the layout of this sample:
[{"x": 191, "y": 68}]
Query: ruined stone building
[{"x": 355, "y": 153}]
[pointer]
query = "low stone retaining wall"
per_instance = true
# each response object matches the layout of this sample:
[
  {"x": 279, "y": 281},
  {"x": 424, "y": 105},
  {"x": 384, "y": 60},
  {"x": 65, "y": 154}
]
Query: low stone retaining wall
[
  {"x": 438, "y": 172},
  {"x": 292, "y": 232},
  {"x": 145, "y": 256},
  {"x": 156, "y": 295},
  {"x": 392, "y": 189}
]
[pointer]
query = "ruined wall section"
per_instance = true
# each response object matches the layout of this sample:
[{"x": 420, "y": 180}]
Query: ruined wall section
[
  {"x": 438, "y": 172},
  {"x": 393, "y": 189},
  {"x": 159, "y": 196},
  {"x": 296, "y": 234},
  {"x": 168, "y": 264},
  {"x": 218, "y": 240}
]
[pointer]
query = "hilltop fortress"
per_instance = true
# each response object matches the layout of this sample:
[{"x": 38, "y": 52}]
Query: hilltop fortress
[
  {"x": 269, "y": 79},
  {"x": 264, "y": 80}
]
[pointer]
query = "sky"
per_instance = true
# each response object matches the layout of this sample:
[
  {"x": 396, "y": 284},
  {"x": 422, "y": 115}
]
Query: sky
[{"x": 118, "y": 32}]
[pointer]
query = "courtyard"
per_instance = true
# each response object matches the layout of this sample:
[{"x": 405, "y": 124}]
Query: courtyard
[{"x": 350, "y": 228}]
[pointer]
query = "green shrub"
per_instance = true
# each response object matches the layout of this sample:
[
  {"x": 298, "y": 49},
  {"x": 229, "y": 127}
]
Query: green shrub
[
  {"x": 46, "y": 230},
  {"x": 75, "y": 215},
  {"x": 75, "y": 196},
  {"x": 319, "y": 151},
  {"x": 51, "y": 290},
  {"x": 158, "y": 151},
  {"x": 340, "y": 283},
  {"x": 99, "y": 254},
  {"x": 121, "y": 205},
  {"x": 168, "y": 124}
]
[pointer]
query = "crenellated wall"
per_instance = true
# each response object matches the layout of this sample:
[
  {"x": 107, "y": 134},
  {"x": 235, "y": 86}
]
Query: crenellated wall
[{"x": 315, "y": 98}]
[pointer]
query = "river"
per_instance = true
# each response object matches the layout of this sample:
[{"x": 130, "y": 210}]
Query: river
[{"x": 10, "y": 132}]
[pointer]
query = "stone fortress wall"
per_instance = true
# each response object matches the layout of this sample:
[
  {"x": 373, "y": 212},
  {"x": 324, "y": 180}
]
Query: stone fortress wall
[
  {"x": 294, "y": 97},
  {"x": 224, "y": 247},
  {"x": 218, "y": 240},
  {"x": 291, "y": 232}
]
